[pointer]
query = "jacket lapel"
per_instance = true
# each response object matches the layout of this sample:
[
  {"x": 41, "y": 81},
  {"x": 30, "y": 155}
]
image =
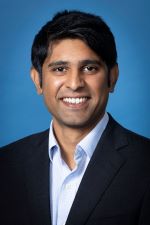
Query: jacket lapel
[
  {"x": 104, "y": 165},
  {"x": 37, "y": 182}
]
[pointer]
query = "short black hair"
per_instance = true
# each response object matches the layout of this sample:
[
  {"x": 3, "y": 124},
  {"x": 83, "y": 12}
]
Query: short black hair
[{"x": 75, "y": 24}]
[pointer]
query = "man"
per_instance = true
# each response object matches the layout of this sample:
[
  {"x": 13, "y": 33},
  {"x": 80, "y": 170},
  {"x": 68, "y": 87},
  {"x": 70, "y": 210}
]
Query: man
[{"x": 86, "y": 169}]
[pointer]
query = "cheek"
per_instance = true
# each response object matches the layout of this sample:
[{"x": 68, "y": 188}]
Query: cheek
[
  {"x": 51, "y": 86},
  {"x": 99, "y": 87}
]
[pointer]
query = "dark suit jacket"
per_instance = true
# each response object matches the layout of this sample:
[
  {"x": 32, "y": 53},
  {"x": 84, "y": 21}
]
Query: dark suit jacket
[{"x": 115, "y": 189}]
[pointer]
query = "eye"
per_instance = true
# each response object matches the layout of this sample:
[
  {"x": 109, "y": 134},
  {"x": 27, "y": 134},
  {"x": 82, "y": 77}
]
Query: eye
[
  {"x": 90, "y": 69},
  {"x": 59, "y": 69}
]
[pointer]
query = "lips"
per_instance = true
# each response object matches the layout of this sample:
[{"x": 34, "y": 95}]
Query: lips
[{"x": 74, "y": 100}]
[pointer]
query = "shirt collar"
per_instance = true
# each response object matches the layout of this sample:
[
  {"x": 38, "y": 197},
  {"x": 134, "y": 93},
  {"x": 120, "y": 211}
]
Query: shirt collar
[
  {"x": 90, "y": 141},
  {"x": 87, "y": 144},
  {"x": 52, "y": 142}
]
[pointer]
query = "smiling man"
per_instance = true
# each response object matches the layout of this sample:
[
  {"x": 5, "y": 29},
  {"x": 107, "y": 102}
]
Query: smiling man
[{"x": 86, "y": 169}]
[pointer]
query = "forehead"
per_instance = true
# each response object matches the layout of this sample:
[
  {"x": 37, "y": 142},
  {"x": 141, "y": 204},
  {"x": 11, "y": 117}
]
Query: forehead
[{"x": 71, "y": 48}]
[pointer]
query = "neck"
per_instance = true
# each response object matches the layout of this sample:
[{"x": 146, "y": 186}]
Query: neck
[{"x": 68, "y": 138}]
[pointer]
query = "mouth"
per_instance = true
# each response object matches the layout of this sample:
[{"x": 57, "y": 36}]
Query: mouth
[{"x": 75, "y": 100}]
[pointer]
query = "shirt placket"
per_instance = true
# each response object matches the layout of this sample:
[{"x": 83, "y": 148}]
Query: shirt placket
[{"x": 69, "y": 188}]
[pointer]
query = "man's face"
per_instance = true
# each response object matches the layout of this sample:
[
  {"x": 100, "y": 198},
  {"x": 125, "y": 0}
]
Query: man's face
[{"x": 75, "y": 84}]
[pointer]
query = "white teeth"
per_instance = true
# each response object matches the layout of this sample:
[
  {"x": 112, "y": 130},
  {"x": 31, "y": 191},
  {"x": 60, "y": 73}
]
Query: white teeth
[{"x": 75, "y": 100}]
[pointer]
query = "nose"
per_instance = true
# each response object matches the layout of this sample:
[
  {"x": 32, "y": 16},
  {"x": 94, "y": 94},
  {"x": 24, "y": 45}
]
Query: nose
[{"x": 75, "y": 81}]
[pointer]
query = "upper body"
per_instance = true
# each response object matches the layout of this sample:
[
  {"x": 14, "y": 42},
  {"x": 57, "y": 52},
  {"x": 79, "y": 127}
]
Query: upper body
[
  {"x": 74, "y": 66},
  {"x": 115, "y": 189}
]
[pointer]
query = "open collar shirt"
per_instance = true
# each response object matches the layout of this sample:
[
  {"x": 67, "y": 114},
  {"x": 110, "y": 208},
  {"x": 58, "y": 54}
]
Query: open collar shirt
[{"x": 64, "y": 181}]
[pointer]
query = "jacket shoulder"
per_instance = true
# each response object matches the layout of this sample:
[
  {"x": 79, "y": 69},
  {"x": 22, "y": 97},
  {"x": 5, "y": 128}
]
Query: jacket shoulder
[
  {"x": 137, "y": 139},
  {"x": 23, "y": 147},
  {"x": 123, "y": 135}
]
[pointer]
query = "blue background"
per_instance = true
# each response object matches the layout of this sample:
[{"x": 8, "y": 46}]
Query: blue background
[{"x": 22, "y": 112}]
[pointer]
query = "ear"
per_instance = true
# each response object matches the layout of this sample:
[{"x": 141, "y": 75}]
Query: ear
[
  {"x": 113, "y": 77},
  {"x": 36, "y": 80}
]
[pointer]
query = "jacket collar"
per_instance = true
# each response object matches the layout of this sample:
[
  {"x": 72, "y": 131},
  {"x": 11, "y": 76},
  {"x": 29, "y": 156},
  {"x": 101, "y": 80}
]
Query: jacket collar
[{"x": 37, "y": 181}]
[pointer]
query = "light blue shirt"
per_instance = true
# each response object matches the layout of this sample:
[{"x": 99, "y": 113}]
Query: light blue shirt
[{"x": 64, "y": 181}]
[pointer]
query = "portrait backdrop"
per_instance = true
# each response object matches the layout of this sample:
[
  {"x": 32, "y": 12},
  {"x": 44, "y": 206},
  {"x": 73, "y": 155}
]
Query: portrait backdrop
[{"x": 22, "y": 111}]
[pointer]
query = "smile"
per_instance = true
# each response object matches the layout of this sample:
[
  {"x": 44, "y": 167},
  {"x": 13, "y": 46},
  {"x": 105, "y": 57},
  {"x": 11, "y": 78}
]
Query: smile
[{"x": 75, "y": 100}]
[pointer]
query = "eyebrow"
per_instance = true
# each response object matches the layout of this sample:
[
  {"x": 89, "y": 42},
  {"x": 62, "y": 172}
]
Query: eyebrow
[
  {"x": 82, "y": 62},
  {"x": 90, "y": 61},
  {"x": 57, "y": 63}
]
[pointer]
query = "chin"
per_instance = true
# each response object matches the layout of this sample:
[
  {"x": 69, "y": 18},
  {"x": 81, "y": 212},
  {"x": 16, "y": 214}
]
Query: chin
[{"x": 78, "y": 124}]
